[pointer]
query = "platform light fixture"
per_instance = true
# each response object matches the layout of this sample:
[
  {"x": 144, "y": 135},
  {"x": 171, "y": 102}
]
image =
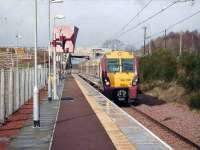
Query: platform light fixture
[
  {"x": 54, "y": 60},
  {"x": 49, "y": 49},
  {"x": 36, "y": 107},
  {"x": 57, "y": 1}
]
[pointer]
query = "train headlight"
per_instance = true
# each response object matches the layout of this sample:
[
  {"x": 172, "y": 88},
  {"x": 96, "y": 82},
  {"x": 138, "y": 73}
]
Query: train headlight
[
  {"x": 107, "y": 82},
  {"x": 135, "y": 81}
]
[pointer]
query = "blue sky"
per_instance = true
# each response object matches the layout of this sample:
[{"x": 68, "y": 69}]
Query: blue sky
[{"x": 98, "y": 20}]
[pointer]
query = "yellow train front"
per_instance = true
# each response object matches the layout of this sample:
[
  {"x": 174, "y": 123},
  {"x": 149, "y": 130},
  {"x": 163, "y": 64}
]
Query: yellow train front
[{"x": 118, "y": 72}]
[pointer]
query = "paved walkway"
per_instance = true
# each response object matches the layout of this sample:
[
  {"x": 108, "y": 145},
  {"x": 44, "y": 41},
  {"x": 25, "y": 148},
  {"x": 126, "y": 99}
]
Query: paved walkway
[
  {"x": 38, "y": 138},
  {"x": 78, "y": 127},
  {"x": 128, "y": 132},
  {"x": 85, "y": 120}
]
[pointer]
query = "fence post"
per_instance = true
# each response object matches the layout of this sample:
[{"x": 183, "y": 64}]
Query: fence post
[
  {"x": 10, "y": 92},
  {"x": 17, "y": 90},
  {"x": 46, "y": 76},
  {"x": 45, "y": 70},
  {"x": 32, "y": 81},
  {"x": 40, "y": 78},
  {"x": 29, "y": 85},
  {"x": 2, "y": 98},
  {"x": 26, "y": 84},
  {"x": 43, "y": 77},
  {"x": 25, "y": 76},
  {"x": 22, "y": 87}
]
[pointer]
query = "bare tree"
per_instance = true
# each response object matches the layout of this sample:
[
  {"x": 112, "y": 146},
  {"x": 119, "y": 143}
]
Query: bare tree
[
  {"x": 130, "y": 47},
  {"x": 114, "y": 44}
]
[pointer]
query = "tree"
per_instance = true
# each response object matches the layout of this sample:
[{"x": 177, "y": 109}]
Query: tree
[
  {"x": 130, "y": 47},
  {"x": 190, "y": 42},
  {"x": 114, "y": 44}
]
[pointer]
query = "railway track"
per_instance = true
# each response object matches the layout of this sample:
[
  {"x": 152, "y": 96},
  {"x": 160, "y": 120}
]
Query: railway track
[
  {"x": 166, "y": 128},
  {"x": 170, "y": 131}
]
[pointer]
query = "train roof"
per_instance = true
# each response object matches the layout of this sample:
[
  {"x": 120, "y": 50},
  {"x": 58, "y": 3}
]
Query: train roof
[{"x": 120, "y": 54}]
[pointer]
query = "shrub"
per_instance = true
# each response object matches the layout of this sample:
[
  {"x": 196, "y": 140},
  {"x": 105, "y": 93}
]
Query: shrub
[
  {"x": 194, "y": 101},
  {"x": 161, "y": 65},
  {"x": 189, "y": 71}
]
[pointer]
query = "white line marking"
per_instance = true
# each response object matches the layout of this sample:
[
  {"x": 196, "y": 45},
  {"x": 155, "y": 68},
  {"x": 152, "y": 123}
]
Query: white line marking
[{"x": 52, "y": 136}]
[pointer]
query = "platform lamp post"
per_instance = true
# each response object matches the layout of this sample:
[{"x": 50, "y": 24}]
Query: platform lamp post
[
  {"x": 54, "y": 60},
  {"x": 36, "y": 109},
  {"x": 18, "y": 37},
  {"x": 49, "y": 48}
]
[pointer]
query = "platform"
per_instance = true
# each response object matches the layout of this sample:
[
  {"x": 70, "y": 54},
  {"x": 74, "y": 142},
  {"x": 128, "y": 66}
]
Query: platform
[
  {"x": 77, "y": 127},
  {"x": 139, "y": 136},
  {"x": 84, "y": 119},
  {"x": 30, "y": 138}
]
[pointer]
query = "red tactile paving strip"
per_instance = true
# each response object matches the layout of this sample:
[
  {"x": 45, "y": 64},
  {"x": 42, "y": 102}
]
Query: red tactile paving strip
[
  {"x": 78, "y": 127},
  {"x": 16, "y": 121}
]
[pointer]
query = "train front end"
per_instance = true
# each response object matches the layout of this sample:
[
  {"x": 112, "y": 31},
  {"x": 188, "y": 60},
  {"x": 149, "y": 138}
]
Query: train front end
[{"x": 119, "y": 76}]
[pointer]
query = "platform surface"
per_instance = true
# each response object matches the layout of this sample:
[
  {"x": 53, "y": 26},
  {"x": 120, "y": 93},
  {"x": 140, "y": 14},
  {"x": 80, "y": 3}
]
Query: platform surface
[
  {"x": 84, "y": 119},
  {"x": 78, "y": 127},
  {"x": 37, "y": 138},
  {"x": 30, "y": 138},
  {"x": 137, "y": 134}
]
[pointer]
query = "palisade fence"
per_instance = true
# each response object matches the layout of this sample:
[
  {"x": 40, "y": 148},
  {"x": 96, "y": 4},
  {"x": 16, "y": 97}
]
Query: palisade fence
[{"x": 16, "y": 87}]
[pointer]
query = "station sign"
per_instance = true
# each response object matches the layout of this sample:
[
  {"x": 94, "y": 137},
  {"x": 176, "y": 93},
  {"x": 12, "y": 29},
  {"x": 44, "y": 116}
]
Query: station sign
[{"x": 65, "y": 38}]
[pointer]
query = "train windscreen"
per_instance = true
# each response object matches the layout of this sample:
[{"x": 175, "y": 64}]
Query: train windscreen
[
  {"x": 127, "y": 65},
  {"x": 113, "y": 65}
]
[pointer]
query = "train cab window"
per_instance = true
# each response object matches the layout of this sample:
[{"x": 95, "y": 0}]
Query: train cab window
[
  {"x": 127, "y": 65},
  {"x": 113, "y": 65}
]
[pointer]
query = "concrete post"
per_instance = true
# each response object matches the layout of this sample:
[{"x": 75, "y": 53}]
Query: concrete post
[
  {"x": 40, "y": 78},
  {"x": 29, "y": 85},
  {"x": 44, "y": 76},
  {"x": 32, "y": 81},
  {"x": 17, "y": 90},
  {"x": 41, "y": 74},
  {"x": 24, "y": 72},
  {"x": 2, "y": 98},
  {"x": 10, "y": 93},
  {"x": 22, "y": 87},
  {"x": 26, "y": 85}
]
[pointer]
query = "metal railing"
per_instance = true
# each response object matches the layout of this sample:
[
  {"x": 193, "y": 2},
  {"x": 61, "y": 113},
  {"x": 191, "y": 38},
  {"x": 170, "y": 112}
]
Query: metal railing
[{"x": 16, "y": 87}]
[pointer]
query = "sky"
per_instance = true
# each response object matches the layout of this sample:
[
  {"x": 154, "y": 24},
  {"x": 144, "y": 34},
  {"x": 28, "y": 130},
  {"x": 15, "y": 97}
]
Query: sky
[{"x": 97, "y": 20}]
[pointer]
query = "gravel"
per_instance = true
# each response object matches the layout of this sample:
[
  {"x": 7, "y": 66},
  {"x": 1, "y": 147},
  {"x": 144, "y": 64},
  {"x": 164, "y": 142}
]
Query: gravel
[{"x": 177, "y": 117}]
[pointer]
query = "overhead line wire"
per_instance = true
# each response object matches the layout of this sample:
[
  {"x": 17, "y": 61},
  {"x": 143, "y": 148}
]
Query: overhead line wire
[
  {"x": 133, "y": 18},
  {"x": 177, "y": 23},
  {"x": 149, "y": 18}
]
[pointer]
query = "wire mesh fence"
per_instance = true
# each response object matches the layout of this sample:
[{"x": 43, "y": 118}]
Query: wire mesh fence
[{"x": 16, "y": 87}]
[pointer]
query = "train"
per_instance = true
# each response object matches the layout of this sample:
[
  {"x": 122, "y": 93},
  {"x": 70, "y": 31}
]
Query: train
[{"x": 117, "y": 73}]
